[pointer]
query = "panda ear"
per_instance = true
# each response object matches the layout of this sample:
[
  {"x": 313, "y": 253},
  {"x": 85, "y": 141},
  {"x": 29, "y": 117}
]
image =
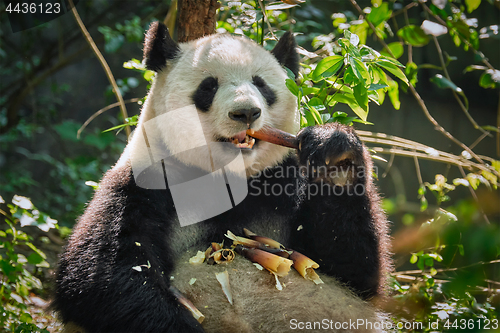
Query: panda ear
[
  {"x": 159, "y": 47},
  {"x": 286, "y": 53}
]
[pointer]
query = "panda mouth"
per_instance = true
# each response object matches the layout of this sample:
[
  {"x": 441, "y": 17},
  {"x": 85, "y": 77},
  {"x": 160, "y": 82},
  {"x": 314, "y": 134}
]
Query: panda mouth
[{"x": 241, "y": 140}]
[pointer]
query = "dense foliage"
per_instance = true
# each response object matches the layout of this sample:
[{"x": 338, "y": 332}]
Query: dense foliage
[{"x": 355, "y": 57}]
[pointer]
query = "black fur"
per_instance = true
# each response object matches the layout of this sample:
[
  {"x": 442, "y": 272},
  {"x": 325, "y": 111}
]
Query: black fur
[
  {"x": 123, "y": 227},
  {"x": 99, "y": 288},
  {"x": 348, "y": 233},
  {"x": 285, "y": 52},
  {"x": 265, "y": 90},
  {"x": 159, "y": 47},
  {"x": 204, "y": 95}
]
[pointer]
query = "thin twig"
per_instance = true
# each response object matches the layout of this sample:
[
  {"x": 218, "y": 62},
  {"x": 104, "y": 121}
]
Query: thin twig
[
  {"x": 389, "y": 165},
  {"x": 101, "y": 111},
  {"x": 104, "y": 65},
  {"x": 444, "y": 270},
  {"x": 391, "y": 140},
  {"x": 465, "y": 41},
  {"x": 267, "y": 20},
  {"x": 419, "y": 99},
  {"x": 475, "y": 143},
  {"x": 417, "y": 168},
  {"x": 459, "y": 101}
]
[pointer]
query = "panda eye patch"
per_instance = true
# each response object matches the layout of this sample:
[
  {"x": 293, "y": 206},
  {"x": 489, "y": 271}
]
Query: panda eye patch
[
  {"x": 264, "y": 89},
  {"x": 204, "y": 95}
]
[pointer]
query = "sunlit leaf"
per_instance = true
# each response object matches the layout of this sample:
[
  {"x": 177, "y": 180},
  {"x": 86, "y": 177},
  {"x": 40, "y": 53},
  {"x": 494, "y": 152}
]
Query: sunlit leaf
[
  {"x": 379, "y": 14},
  {"x": 490, "y": 79},
  {"x": 327, "y": 67},
  {"x": 411, "y": 72},
  {"x": 413, "y": 35},
  {"x": 393, "y": 93},
  {"x": 396, "y": 48},
  {"x": 359, "y": 69},
  {"x": 353, "y": 104},
  {"x": 315, "y": 114},
  {"x": 472, "y": 5},
  {"x": 361, "y": 95},
  {"x": 393, "y": 69},
  {"x": 292, "y": 86}
]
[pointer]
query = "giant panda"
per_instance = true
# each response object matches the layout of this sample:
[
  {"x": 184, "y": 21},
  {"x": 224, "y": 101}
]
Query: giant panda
[{"x": 186, "y": 177}]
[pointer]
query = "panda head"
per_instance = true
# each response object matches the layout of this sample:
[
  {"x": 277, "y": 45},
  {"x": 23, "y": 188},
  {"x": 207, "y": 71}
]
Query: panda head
[{"x": 209, "y": 91}]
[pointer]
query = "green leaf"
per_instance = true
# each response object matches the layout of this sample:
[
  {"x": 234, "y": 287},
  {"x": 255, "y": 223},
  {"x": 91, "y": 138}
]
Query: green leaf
[
  {"x": 361, "y": 95},
  {"x": 396, "y": 48},
  {"x": 376, "y": 86},
  {"x": 377, "y": 74},
  {"x": 359, "y": 69},
  {"x": 379, "y": 14},
  {"x": 472, "y": 5},
  {"x": 411, "y": 72},
  {"x": 353, "y": 104},
  {"x": 292, "y": 86},
  {"x": 413, "y": 258},
  {"x": 361, "y": 30},
  {"x": 393, "y": 93},
  {"x": 444, "y": 83},
  {"x": 393, "y": 69},
  {"x": 317, "y": 103},
  {"x": 289, "y": 73},
  {"x": 148, "y": 75},
  {"x": 490, "y": 79},
  {"x": 413, "y": 35},
  {"x": 34, "y": 258},
  {"x": 26, "y": 318},
  {"x": 36, "y": 250},
  {"x": 316, "y": 115},
  {"x": 423, "y": 204},
  {"x": 327, "y": 67}
]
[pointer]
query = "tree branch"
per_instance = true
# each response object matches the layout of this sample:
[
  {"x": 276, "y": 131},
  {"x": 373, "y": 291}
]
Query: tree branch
[
  {"x": 104, "y": 65},
  {"x": 419, "y": 99}
]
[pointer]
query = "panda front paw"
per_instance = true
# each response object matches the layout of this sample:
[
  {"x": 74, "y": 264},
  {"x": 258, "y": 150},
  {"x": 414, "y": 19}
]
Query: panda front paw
[{"x": 332, "y": 154}]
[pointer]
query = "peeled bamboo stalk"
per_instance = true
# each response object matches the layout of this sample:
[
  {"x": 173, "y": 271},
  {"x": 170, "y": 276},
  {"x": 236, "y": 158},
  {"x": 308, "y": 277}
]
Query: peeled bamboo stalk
[
  {"x": 276, "y": 248},
  {"x": 264, "y": 240},
  {"x": 223, "y": 278},
  {"x": 305, "y": 266},
  {"x": 276, "y": 264},
  {"x": 276, "y": 136},
  {"x": 187, "y": 304}
]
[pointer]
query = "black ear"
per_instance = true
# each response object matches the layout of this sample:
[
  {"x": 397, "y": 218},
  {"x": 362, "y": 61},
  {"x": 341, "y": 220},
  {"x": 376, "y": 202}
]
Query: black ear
[
  {"x": 286, "y": 54},
  {"x": 159, "y": 47}
]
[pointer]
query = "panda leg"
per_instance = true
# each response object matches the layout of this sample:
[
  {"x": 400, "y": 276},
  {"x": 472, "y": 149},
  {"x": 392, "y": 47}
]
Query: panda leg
[{"x": 343, "y": 227}]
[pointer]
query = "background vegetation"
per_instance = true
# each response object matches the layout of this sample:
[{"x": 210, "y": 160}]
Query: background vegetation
[{"x": 419, "y": 80}]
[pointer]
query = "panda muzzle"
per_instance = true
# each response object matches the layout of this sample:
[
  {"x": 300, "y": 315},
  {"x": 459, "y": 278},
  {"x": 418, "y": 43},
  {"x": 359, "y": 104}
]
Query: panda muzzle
[{"x": 243, "y": 141}]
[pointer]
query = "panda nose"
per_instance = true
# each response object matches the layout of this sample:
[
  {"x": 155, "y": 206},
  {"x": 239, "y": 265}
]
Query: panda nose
[{"x": 246, "y": 116}]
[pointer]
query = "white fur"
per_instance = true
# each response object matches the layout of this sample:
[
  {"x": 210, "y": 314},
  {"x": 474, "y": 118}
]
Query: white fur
[{"x": 233, "y": 61}]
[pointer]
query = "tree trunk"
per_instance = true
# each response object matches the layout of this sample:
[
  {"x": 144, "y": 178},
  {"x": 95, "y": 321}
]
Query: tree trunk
[{"x": 196, "y": 18}]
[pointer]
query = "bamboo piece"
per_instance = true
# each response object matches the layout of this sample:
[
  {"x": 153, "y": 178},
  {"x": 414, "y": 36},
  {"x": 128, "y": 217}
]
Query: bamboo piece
[{"x": 187, "y": 304}]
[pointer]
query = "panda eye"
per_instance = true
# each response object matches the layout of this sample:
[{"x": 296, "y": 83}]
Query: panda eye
[
  {"x": 264, "y": 89},
  {"x": 204, "y": 95},
  {"x": 258, "y": 82},
  {"x": 209, "y": 84}
]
